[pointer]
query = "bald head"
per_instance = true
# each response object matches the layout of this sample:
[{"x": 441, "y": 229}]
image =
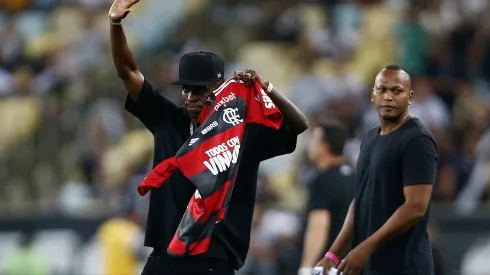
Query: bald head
[
  {"x": 397, "y": 73},
  {"x": 392, "y": 92}
]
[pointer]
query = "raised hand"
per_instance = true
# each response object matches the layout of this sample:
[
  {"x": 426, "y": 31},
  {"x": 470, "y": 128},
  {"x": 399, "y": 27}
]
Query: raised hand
[
  {"x": 249, "y": 76},
  {"x": 120, "y": 9}
]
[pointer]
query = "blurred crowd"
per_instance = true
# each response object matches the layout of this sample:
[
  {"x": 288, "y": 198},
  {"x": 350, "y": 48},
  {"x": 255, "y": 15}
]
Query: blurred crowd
[{"x": 68, "y": 147}]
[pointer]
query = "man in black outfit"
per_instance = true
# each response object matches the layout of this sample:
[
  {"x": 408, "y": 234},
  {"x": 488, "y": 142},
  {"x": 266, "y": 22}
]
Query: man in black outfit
[
  {"x": 330, "y": 192},
  {"x": 199, "y": 75},
  {"x": 396, "y": 169}
]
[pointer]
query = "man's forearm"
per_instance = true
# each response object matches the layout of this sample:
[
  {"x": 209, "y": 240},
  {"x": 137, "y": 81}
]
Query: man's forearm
[
  {"x": 293, "y": 117},
  {"x": 344, "y": 238},
  {"x": 121, "y": 54},
  {"x": 404, "y": 218},
  {"x": 314, "y": 244}
]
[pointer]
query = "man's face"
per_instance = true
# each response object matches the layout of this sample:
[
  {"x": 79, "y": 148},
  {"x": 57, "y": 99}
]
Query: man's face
[
  {"x": 391, "y": 94},
  {"x": 195, "y": 98}
]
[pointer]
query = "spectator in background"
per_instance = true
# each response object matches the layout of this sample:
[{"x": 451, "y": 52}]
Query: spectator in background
[
  {"x": 283, "y": 23},
  {"x": 481, "y": 49},
  {"x": 330, "y": 193},
  {"x": 460, "y": 40},
  {"x": 428, "y": 107},
  {"x": 476, "y": 189},
  {"x": 312, "y": 105},
  {"x": 121, "y": 238},
  {"x": 412, "y": 38},
  {"x": 27, "y": 260},
  {"x": 469, "y": 122}
]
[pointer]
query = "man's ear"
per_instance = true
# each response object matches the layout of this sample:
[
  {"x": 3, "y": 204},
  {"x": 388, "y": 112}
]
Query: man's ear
[
  {"x": 410, "y": 97},
  {"x": 372, "y": 95}
]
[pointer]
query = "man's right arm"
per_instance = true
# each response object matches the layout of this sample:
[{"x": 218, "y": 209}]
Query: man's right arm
[
  {"x": 125, "y": 63},
  {"x": 143, "y": 101}
]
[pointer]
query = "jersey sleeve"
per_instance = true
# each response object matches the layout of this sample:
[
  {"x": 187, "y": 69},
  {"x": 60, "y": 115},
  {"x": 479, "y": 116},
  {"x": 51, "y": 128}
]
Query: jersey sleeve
[
  {"x": 151, "y": 107},
  {"x": 419, "y": 161},
  {"x": 273, "y": 143},
  {"x": 318, "y": 197}
]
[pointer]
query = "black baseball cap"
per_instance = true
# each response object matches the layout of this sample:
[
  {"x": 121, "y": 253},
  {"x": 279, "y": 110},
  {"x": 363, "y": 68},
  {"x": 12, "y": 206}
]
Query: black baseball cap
[{"x": 200, "y": 69}]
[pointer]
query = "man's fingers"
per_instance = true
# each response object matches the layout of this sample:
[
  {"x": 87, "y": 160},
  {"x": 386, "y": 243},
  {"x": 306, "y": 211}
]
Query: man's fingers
[
  {"x": 248, "y": 76},
  {"x": 133, "y": 2},
  {"x": 341, "y": 267},
  {"x": 345, "y": 271}
]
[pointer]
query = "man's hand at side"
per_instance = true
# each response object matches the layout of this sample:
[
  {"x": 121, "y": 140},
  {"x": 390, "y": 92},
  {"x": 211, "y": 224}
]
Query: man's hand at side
[
  {"x": 327, "y": 264},
  {"x": 355, "y": 261}
]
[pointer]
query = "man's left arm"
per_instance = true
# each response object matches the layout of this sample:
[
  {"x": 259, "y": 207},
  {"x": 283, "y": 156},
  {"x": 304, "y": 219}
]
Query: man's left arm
[
  {"x": 294, "y": 119},
  {"x": 419, "y": 164}
]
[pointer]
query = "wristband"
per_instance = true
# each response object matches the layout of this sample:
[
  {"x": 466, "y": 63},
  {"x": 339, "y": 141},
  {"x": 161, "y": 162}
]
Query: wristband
[
  {"x": 332, "y": 257},
  {"x": 115, "y": 23}
]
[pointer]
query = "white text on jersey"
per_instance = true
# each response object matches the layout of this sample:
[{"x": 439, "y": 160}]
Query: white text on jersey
[
  {"x": 222, "y": 156},
  {"x": 267, "y": 100},
  {"x": 224, "y": 100}
]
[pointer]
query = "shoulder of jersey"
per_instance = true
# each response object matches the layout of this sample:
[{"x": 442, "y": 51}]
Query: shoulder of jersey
[{"x": 227, "y": 83}]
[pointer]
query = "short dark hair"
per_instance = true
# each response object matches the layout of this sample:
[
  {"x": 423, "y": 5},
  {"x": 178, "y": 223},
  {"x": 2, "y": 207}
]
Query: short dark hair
[
  {"x": 394, "y": 67},
  {"x": 335, "y": 134}
]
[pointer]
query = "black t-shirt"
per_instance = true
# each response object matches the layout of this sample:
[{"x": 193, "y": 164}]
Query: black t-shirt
[
  {"x": 170, "y": 126},
  {"x": 386, "y": 164},
  {"x": 332, "y": 190}
]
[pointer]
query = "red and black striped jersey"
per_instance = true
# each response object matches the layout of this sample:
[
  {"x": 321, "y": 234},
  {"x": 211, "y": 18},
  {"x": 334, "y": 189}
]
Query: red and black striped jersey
[{"x": 210, "y": 159}]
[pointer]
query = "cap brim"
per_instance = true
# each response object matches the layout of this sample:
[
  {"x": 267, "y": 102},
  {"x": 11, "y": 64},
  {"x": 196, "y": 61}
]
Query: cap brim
[{"x": 192, "y": 82}]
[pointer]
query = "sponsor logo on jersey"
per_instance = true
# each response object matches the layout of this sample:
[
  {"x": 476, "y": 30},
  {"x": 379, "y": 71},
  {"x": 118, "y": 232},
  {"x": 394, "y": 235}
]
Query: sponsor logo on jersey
[
  {"x": 210, "y": 127},
  {"x": 267, "y": 100},
  {"x": 224, "y": 100}
]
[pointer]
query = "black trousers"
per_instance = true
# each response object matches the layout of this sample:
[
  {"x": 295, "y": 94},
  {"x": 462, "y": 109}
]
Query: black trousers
[{"x": 163, "y": 264}]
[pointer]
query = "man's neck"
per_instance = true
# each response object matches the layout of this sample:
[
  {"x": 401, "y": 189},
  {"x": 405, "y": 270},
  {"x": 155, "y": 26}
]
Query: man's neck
[
  {"x": 329, "y": 161},
  {"x": 390, "y": 126}
]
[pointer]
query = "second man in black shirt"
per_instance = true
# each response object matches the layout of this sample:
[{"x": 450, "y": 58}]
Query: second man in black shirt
[{"x": 330, "y": 192}]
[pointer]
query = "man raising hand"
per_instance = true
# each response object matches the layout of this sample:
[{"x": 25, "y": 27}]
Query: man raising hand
[{"x": 200, "y": 73}]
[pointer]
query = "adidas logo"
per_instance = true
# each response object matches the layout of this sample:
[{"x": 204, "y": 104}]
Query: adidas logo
[{"x": 193, "y": 140}]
